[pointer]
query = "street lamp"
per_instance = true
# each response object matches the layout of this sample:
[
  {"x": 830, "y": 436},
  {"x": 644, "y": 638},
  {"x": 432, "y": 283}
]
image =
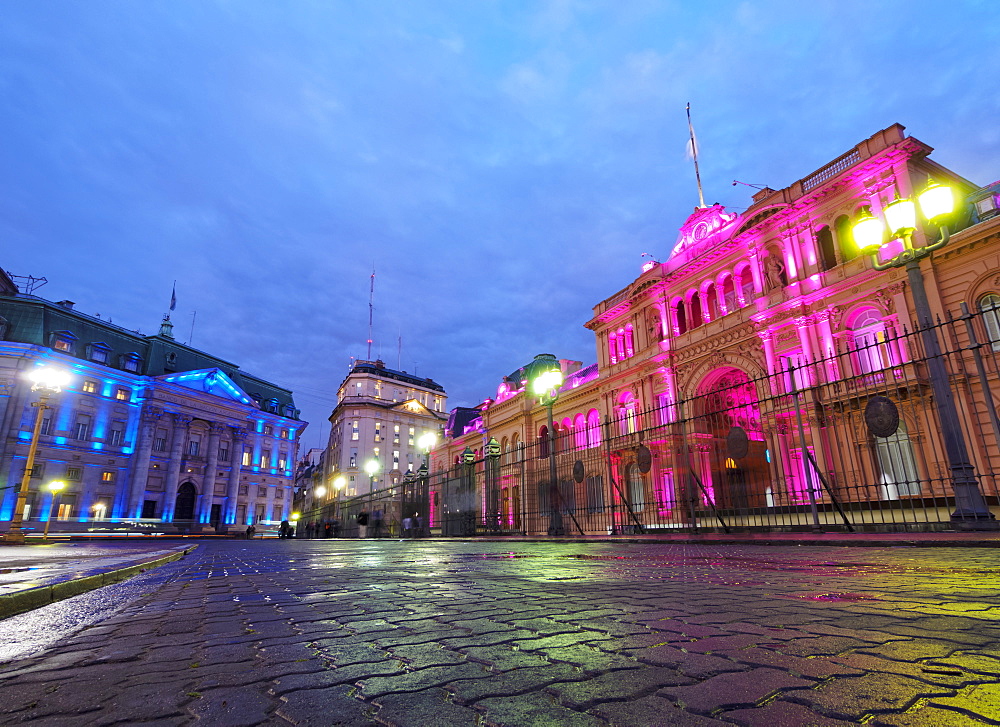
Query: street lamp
[
  {"x": 937, "y": 203},
  {"x": 545, "y": 377},
  {"x": 372, "y": 468},
  {"x": 55, "y": 487},
  {"x": 47, "y": 382},
  {"x": 99, "y": 509}
]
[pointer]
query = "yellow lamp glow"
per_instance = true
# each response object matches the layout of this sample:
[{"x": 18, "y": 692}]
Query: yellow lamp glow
[
  {"x": 57, "y": 486},
  {"x": 46, "y": 377},
  {"x": 371, "y": 467},
  {"x": 427, "y": 441},
  {"x": 295, "y": 516},
  {"x": 868, "y": 233},
  {"x": 319, "y": 491},
  {"x": 900, "y": 215},
  {"x": 937, "y": 200},
  {"x": 339, "y": 483},
  {"x": 547, "y": 381}
]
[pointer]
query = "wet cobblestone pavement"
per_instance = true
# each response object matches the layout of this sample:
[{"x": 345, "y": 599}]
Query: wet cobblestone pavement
[{"x": 458, "y": 633}]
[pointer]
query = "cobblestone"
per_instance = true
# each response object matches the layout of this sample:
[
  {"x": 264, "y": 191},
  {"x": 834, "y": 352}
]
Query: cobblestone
[{"x": 276, "y": 635}]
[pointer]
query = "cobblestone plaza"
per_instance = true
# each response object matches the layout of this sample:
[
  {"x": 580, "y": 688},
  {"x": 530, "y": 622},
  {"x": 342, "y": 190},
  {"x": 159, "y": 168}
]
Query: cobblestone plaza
[{"x": 485, "y": 633}]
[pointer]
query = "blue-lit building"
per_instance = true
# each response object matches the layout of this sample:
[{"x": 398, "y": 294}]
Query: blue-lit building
[{"x": 149, "y": 430}]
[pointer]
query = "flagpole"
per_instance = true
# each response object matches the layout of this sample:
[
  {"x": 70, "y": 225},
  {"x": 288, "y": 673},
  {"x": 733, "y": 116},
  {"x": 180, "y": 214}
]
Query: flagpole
[
  {"x": 371, "y": 309},
  {"x": 694, "y": 154}
]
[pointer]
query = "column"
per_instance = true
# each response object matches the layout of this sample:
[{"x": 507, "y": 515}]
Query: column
[
  {"x": 239, "y": 436},
  {"x": 767, "y": 338},
  {"x": 802, "y": 326},
  {"x": 208, "y": 479},
  {"x": 177, "y": 439},
  {"x": 139, "y": 471}
]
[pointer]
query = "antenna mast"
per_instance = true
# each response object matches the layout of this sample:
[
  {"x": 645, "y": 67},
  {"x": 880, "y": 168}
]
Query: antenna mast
[
  {"x": 371, "y": 311},
  {"x": 694, "y": 155}
]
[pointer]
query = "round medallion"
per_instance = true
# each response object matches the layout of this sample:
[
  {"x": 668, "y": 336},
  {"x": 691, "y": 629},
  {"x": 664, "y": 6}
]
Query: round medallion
[
  {"x": 643, "y": 458},
  {"x": 881, "y": 416},
  {"x": 701, "y": 231},
  {"x": 737, "y": 443},
  {"x": 578, "y": 472}
]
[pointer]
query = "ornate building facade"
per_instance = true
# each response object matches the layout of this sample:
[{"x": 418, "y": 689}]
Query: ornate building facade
[
  {"x": 149, "y": 433},
  {"x": 731, "y": 379},
  {"x": 380, "y": 416}
]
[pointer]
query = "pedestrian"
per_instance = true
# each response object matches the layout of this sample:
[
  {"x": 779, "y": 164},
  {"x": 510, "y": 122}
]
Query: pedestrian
[
  {"x": 327, "y": 529},
  {"x": 407, "y": 526},
  {"x": 283, "y": 529},
  {"x": 250, "y": 532},
  {"x": 363, "y": 524},
  {"x": 336, "y": 528},
  {"x": 377, "y": 523}
]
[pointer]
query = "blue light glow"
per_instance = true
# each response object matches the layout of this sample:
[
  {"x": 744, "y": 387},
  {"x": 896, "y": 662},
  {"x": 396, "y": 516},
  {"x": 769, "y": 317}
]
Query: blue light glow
[
  {"x": 97, "y": 445},
  {"x": 24, "y": 435},
  {"x": 59, "y": 440}
]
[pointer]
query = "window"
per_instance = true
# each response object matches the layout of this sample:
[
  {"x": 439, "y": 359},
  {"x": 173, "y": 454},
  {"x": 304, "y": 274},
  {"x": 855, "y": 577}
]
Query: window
[
  {"x": 827, "y": 256},
  {"x": 82, "y": 429},
  {"x": 282, "y": 461},
  {"x": 261, "y": 492},
  {"x": 746, "y": 286},
  {"x": 224, "y": 454},
  {"x": 897, "y": 466},
  {"x": 122, "y": 394},
  {"x": 989, "y": 306},
  {"x": 636, "y": 487},
  {"x": 284, "y": 434},
  {"x": 131, "y": 361},
  {"x": 593, "y": 428},
  {"x": 543, "y": 442},
  {"x": 117, "y": 435},
  {"x": 695, "y": 303},
  {"x": 627, "y": 413},
  {"x": 148, "y": 509},
  {"x": 98, "y": 352},
  {"x": 395, "y": 459},
  {"x": 409, "y": 439},
  {"x": 160, "y": 443},
  {"x": 89, "y": 387},
  {"x": 279, "y": 493},
  {"x": 870, "y": 351},
  {"x": 378, "y": 431},
  {"x": 246, "y": 458},
  {"x": 354, "y": 430},
  {"x": 729, "y": 294},
  {"x": 62, "y": 341},
  {"x": 595, "y": 494},
  {"x": 268, "y": 430},
  {"x": 46, "y": 422},
  {"x": 354, "y": 458},
  {"x": 107, "y": 476},
  {"x": 193, "y": 446},
  {"x": 395, "y": 434},
  {"x": 265, "y": 459},
  {"x": 73, "y": 473}
]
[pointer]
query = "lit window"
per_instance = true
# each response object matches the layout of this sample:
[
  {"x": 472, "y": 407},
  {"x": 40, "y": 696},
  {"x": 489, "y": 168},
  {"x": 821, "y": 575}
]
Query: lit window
[
  {"x": 284, "y": 434},
  {"x": 122, "y": 394},
  {"x": 282, "y": 462},
  {"x": 107, "y": 476},
  {"x": 89, "y": 387},
  {"x": 354, "y": 430},
  {"x": 62, "y": 344},
  {"x": 378, "y": 431},
  {"x": 246, "y": 458},
  {"x": 265, "y": 459},
  {"x": 989, "y": 306},
  {"x": 268, "y": 430},
  {"x": 870, "y": 351}
]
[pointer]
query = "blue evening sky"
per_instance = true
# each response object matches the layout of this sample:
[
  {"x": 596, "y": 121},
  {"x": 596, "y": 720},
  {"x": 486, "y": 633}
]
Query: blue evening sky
[{"x": 502, "y": 164}]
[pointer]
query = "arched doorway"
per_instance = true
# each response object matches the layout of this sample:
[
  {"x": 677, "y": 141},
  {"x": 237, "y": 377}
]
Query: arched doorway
[
  {"x": 187, "y": 496},
  {"x": 736, "y": 477}
]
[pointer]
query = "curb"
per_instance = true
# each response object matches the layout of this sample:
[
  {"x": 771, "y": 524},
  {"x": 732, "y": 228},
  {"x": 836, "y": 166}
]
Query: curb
[{"x": 12, "y": 604}]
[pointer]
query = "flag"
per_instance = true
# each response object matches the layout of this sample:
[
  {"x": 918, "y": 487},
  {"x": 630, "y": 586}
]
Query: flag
[{"x": 173, "y": 297}]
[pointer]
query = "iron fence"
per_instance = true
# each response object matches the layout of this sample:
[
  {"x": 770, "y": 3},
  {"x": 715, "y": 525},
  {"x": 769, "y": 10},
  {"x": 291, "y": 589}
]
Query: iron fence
[{"x": 847, "y": 439}]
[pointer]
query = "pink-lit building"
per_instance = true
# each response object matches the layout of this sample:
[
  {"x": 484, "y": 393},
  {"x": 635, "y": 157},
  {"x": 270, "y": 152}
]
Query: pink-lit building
[{"x": 732, "y": 378}]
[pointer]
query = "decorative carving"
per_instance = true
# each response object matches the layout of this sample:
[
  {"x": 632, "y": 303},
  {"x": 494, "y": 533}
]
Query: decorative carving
[
  {"x": 181, "y": 421},
  {"x": 653, "y": 324},
  {"x": 774, "y": 273},
  {"x": 885, "y": 301}
]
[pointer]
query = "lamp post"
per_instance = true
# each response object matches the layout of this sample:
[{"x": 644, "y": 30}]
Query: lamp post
[
  {"x": 55, "y": 487},
  {"x": 937, "y": 203},
  {"x": 491, "y": 467},
  {"x": 47, "y": 382},
  {"x": 372, "y": 468},
  {"x": 545, "y": 379}
]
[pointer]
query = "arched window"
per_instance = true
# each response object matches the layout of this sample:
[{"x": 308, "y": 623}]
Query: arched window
[
  {"x": 745, "y": 286},
  {"x": 712, "y": 302},
  {"x": 628, "y": 340},
  {"x": 627, "y": 413},
  {"x": 505, "y": 451},
  {"x": 593, "y": 428},
  {"x": 543, "y": 442},
  {"x": 580, "y": 431},
  {"x": 870, "y": 351},
  {"x": 680, "y": 318},
  {"x": 695, "y": 310},
  {"x": 897, "y": 468},
  {"x": 842, "y": 226},
  {"x": 989, "y": 306},
  {"x": 827, "y": 254},
  {"x": 613, "y": 347},
  {"x": 729, "y": 294}
]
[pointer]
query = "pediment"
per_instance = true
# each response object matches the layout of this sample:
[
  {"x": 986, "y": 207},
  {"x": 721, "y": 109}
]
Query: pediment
[
  {"x": 413, "y": 406},
  {"x": 210, "y": 381},
  {"x": 706, "y": 227}
]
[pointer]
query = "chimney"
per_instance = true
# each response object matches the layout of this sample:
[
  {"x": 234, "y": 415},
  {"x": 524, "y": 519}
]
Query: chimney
[{"x": 67, "y": 304}]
